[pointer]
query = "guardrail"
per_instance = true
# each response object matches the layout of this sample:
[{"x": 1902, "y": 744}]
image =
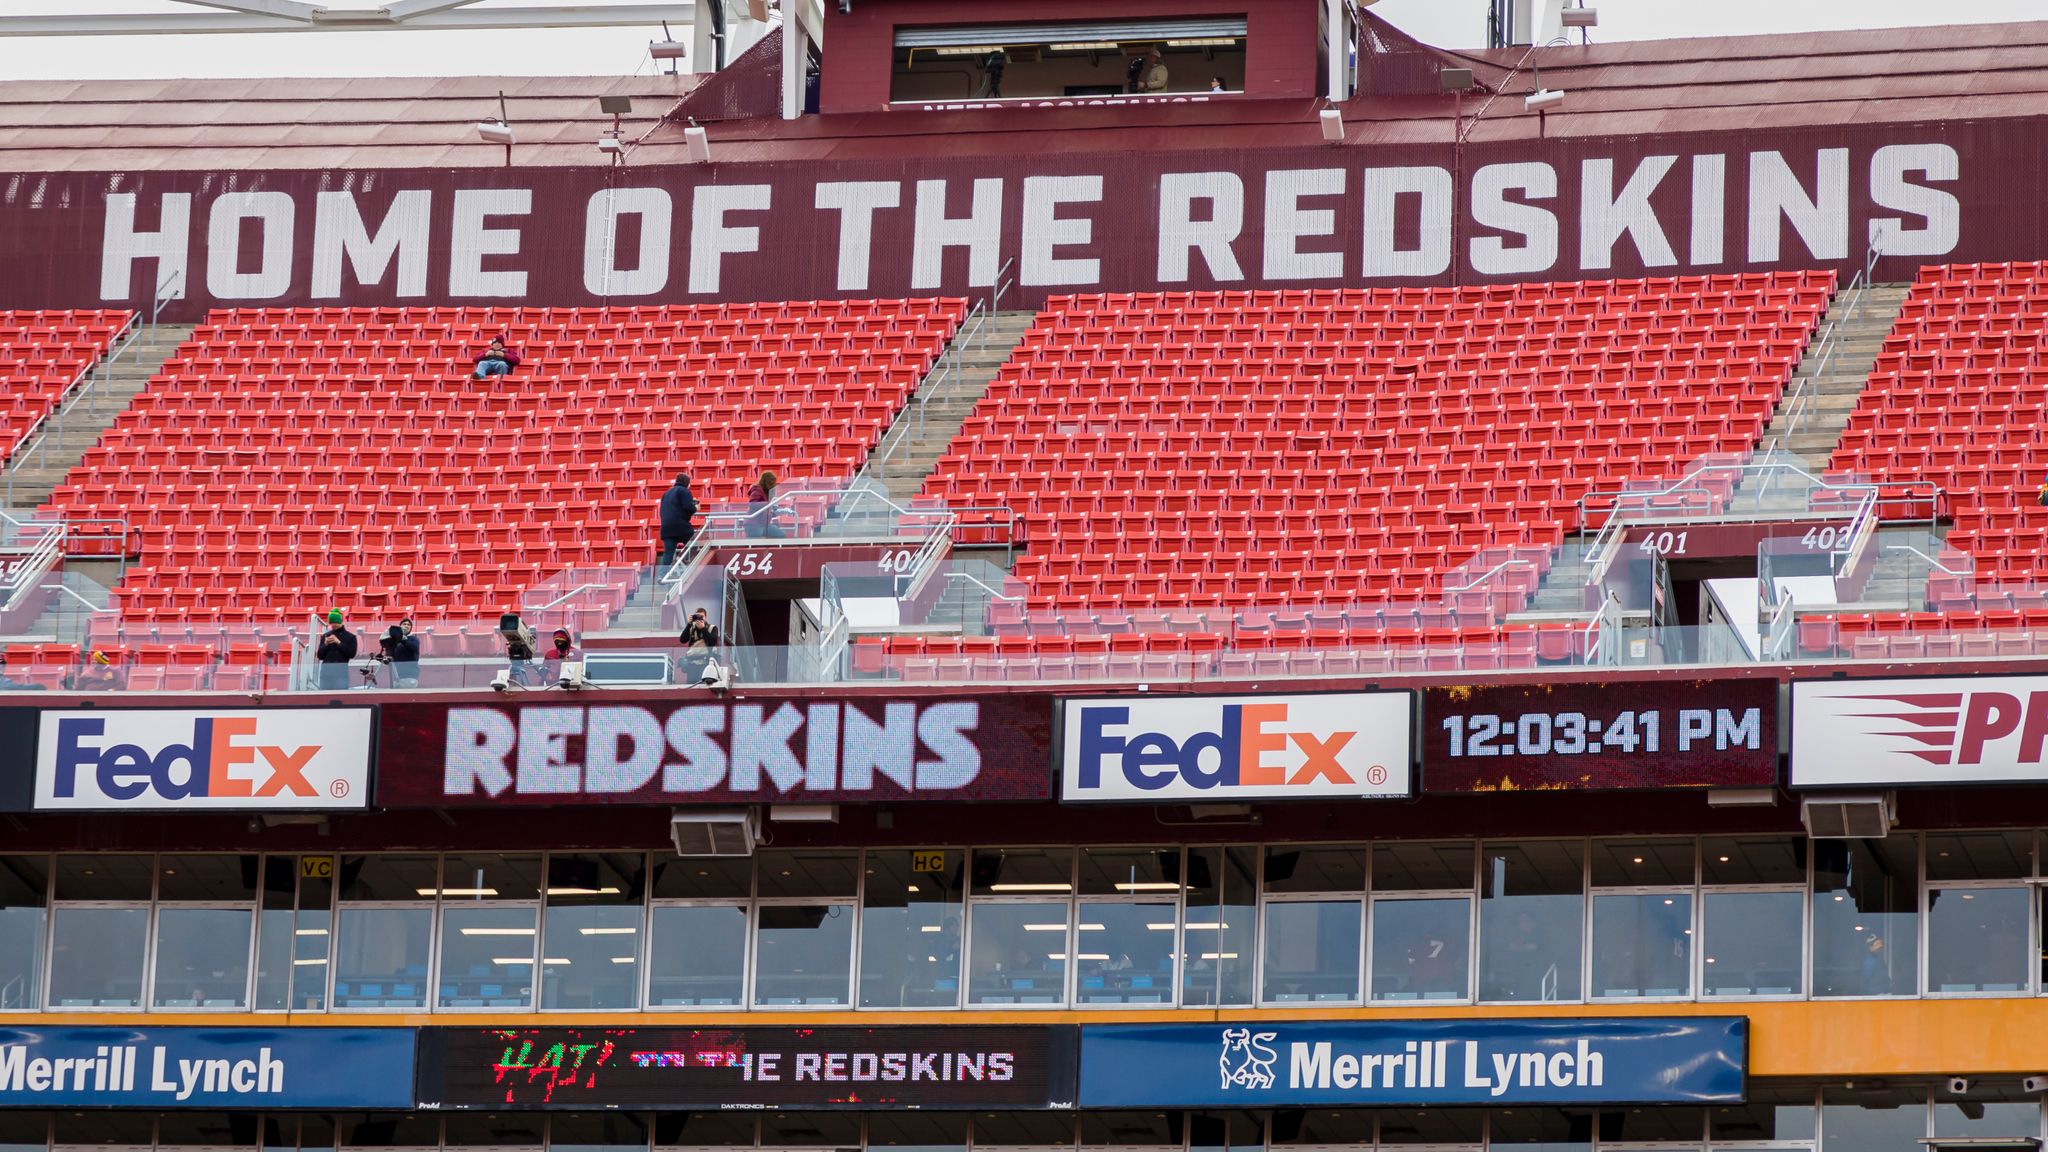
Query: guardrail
[
  {"x": 83, "y": 389},
  {"x": 169, "y": 288}
]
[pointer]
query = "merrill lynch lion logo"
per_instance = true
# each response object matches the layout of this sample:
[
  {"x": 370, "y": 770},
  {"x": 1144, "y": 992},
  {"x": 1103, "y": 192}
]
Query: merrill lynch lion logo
[{"x": 1246, "y": 1061}]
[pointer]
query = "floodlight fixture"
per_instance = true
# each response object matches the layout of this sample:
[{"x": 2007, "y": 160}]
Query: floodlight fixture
[
  {"x": 1333, "y": 125},
  {"x": 697, "y": 143},
  {"x": 1543, "y": 98}
]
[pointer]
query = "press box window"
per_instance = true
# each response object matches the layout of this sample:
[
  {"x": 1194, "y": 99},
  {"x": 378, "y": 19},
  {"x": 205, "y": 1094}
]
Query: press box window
[
  {"x": 697, "y": 938},
  {"x": 1753, "y": 916},
  {"x": 24, "y": 889},
  {"x": 99, "y": 931},
  {"x": 1198, "y": 55},
  {"x": 1312, "y": 925}
]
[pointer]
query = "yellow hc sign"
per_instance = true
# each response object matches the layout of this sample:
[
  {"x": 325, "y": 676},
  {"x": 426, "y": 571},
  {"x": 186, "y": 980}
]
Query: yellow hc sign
[{"x": 928, "y": 860}]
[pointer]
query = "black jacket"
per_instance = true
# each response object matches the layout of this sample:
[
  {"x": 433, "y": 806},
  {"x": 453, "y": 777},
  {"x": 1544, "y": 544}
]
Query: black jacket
[
  {"x": 406, "y": 651},
  {"x": 336, "y": 653},
  {"x": 678, "y": 508},
  {"x": 694, "y": 632}
]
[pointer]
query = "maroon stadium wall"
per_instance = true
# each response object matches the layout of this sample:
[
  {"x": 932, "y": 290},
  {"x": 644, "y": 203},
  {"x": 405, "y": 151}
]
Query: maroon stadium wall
[{"x": 1282, "y": 217}]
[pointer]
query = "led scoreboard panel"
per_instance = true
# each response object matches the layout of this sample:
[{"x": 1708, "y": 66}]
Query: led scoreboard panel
[
  {"x": 1633, "y": 734},
  {"x": 955, "y": 1066}
]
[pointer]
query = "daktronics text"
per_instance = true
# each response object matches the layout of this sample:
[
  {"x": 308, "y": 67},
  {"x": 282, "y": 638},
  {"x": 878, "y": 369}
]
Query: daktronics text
[
  {"x": 254, "y": 759},
  {"x": 1979, "y": 729},
  {"x": 1216, "y": 747}
]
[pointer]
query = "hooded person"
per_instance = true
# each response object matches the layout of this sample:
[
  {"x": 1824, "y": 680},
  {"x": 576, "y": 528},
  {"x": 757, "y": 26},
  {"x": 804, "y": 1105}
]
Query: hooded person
[
  {"x": 561, "y": 650},
  {"x": 404, "y": 650},
  {"x": 336, "y": 648},
  {"x": 678, "y": 509}
]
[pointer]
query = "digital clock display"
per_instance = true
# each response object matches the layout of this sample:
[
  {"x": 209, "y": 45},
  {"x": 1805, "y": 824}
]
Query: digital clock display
[{"x": 1639, "y": 734}]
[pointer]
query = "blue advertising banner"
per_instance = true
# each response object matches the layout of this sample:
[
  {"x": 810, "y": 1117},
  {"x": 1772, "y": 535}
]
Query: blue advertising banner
[
  {"x": 207, "y": 1067},
  {"x": 1618, "y": 1060}
]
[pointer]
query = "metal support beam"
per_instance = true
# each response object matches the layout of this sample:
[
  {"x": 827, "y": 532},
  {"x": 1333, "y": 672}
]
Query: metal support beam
[
  {"x": 464, "y": 18},
  {"x": 412, "y": 9},
  {"x": 282, "y": 9}
]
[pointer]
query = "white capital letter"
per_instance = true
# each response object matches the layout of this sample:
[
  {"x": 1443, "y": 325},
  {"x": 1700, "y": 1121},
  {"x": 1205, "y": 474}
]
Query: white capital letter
[
  {"x": 1180, "y": 234},
  {"x": 980, "y": 233},
  {"x": 1604, "y": 215},
  {"x": 121, "y": 245},
  {"x": 710, "y": 239},
  {"x": 1709, "y": 207},
  {"x": 1044, "y": 230},
  {"x": 273, "y": 275},
  {"x": 470, "y": 241},
  {"x": 1889, "y": 189},
  {"x": 339, "y": 234},
  {"x": 1822, "y": 222},
  {"x": 602, "y": 275},
  {"x": 856, "y": 201},
  {"x": 1287, "y": 222},
  {"x": 1383, "y": 190},
  {"x": 1536, "y": 226}
]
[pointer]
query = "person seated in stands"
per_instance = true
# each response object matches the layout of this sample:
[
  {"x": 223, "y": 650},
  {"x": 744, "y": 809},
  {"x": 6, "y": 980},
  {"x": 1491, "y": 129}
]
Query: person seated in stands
[
  {"x": 496, "y": 360},
  {"x": 761, "y": 517},
  {"x": 402, "y": 650},
  {"x": 1216, "y": 84},
  {"x": 337, "y": 647},
  {"x": 564, "y": 651},
  {"x": 97, "y": 674}
]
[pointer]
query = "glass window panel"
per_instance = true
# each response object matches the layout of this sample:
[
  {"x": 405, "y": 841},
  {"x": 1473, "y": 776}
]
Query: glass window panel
[
  {"x": 1024, "y": 1130},
  {"x": 105, "y": 1129},
  {"x": 597, "y": 1131},
  {"x": 380, "y": 957},
  {"x": 487, "y": 955},
  {"x": 1289, "y": 868},
  {"x": 385, "y": 877},
  {"x": 1422, "y": 949},
  {"x": 810, "y": 1130},
  {"x": 1642, "y": 863},
  {"x": 1225, "y": 1132},
  {"x": 1017, "y": 953},
  {"x": 1866, "y": 898},
  {"x": 275, "y": 945},
  {"x": 702, "y": 1130},
  {"x": 202, "y": 957},
  {"x": 316, "y": 1132},
  {"x": 494, "y": 1130},
  {"x": 1315, "y": 1127},
  {"x": 1753, "y": 860},
  {"x": 1642, "y": 945},
  {"x": 1662, "y": 1125},
  {"x": 97, "y": 956},
  {"x": 1123, "y": 953},
  {"x": 23, "y": 882},
  {"x": 593, "y": 921},
  {"x": 932, "y": 1132},
  {"x": 24, "y": 1131},
  {"x": 310, "y": 940},
  {"x": 175, "y": 1129},
  {"x": 1023, "y": 871},
  {"x": 1529, "y": 920},
  {"x": 1979, "y": 855},
  {"x": 1752, "y": 944},
  {"x": 1988, "y": 1112},
  {"x": 1217, "y": 959},
  {"x": 1977, "y": 939},
  {"x": 1873, "y": 1121},
  {"x": 697, "y": 956},
  {"x": 1771, "y": 1113},
  {"x": 214, "y": 879},
  {"x": 475, "y": 876},
  {"x": 1547, "y": 1129},
  {"x": 1442, "y": 1126},
  {"x": 910, "y": 932},
  {"x": 1311, "y": 951},
  {"x": 1130, "y": 1129},
  {"x": 1129, "y": 871},
  {"x": 280, "y": 1133},
  {"x": 1422, "y": 867},
  {"x": 803, "y": 954},
  {"x": 809, "y": 874},
  {"x": 706, "y": 878},
  {"x": 388, "y": 1130},
  {"x": 116, "y": 878}
]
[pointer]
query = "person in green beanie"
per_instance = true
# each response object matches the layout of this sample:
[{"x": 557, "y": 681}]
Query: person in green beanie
[{"x": 337, "y": 647}]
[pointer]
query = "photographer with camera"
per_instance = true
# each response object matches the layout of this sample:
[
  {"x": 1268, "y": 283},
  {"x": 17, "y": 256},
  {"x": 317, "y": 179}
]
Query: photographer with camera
[
  {"x": 700, "y": 643},
  {"x": 401, "y": 649}
]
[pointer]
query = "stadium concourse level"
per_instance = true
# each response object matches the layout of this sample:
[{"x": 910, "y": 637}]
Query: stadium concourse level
[
  {"x": 288, "y": 461},
  {"x": 44, "y": 355},
  {"x": 1337, "y": 468},
  {"x": 1957, "y": 397}
]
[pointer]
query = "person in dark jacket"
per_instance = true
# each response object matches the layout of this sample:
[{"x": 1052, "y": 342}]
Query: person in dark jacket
[
  {"x": 760, "y": 517},
  {"x": 678, "y": 508},
  {"x": 700, "y": 644},
  {"x": 402, "y": 648},
  {"x": 563, "y": 652},
  {"x": 336, "y": 648},
  {"x": 496, "y": 360}
]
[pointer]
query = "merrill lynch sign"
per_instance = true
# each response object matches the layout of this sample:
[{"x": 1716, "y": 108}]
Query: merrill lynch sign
[{"x": 1563, "y": 209}]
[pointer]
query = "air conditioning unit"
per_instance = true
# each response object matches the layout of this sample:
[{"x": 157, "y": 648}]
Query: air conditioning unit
[
  {"x": 713, "y": 831},
  {"x": 1866, "y": 817}
]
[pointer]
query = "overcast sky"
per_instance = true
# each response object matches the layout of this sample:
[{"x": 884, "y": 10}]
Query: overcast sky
[{"x": 623, "y": 51}]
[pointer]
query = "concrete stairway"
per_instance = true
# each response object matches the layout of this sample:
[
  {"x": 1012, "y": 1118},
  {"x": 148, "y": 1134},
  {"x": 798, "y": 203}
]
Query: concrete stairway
[
  {"x": 927, "y": 425},
  {"x": 31, "y": 479},
  {"x": 1834, "y": 387}
]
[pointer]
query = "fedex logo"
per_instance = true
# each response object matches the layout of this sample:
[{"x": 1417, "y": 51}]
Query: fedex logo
[
  {"x": 1236, "y": 747},
  {"x": 257, "y": 759},
  {"x": 1938, "y": 730}
]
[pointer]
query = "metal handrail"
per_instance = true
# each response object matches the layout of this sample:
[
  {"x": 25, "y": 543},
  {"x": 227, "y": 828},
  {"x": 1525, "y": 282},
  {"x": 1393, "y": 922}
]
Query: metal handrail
[
  {"x": 1003, "y": 283},
  {"x": 566, "y": 595},
  {"x": 165, "y": 289},
  {"x": 1932, "y": 562},
  {"x": 1488, "y": 575},
  {"x": 85, "y": 384},
  {"x": 1778, "y": 636},
  {"x": 979, "y": 583}
]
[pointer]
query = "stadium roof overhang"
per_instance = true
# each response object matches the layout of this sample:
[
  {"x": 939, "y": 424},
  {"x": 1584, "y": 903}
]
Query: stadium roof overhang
[{"x": 213, "y": 16}]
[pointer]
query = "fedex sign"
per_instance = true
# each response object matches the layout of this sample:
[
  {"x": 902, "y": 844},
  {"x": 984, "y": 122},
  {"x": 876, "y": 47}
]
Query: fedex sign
[
  {"x": 1216, "y": 748},
  {"x": 1937, "y": 730},
  {"x": 257, "y": 759}
]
